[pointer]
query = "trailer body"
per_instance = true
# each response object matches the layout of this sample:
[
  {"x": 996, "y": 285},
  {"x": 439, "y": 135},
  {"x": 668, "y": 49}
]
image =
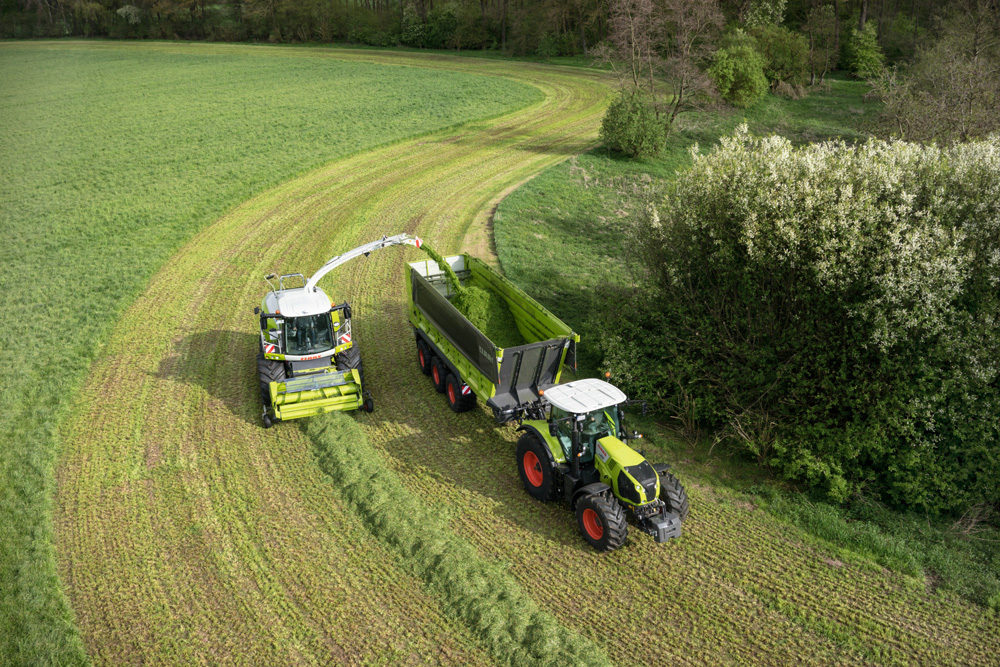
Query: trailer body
[{"x": 508, "y": 380}]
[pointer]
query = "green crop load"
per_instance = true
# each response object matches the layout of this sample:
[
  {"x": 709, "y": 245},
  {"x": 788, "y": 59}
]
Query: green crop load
[{"x": 487, "y": 310}]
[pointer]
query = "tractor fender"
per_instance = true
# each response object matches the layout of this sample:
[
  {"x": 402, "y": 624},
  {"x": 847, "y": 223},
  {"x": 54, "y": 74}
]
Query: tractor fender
[
  {"x": 661, "y": 468},
  {"x": 555, "y": 449},
  {"x": 589, "y": 490}
]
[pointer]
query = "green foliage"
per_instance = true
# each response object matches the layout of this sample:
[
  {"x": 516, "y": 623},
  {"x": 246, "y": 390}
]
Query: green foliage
[
  {"x": 631, "y": 126},
  {"x": 832, "y": 307},
  {"x": 95, "y": 197},
  {"x": 866, "y": 60},
  {"x": 488, "y": 599},
  {"x": 739, "y": 73},
  {"x": 786, "y": 54}
]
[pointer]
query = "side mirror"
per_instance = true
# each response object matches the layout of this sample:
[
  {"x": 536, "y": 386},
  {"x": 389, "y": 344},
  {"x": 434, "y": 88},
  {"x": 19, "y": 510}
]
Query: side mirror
[
  {"x": 256, "y": 310},
  {"x": 553, "y": 430},
  {"x": 347, "y": 312}
]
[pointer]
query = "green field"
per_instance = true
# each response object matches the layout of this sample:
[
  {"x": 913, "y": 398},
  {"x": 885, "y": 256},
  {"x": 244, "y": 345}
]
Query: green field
[{"x": 185, "y": 533}]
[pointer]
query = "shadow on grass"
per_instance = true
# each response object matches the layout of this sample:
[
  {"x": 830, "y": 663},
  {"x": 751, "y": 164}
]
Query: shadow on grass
[{"x": 223, "y": 362}]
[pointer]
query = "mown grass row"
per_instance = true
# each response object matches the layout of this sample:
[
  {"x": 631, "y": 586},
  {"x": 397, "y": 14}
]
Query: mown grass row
[
  {"x": 173, "y": 399},
  {"x": 507, "y": 621},
  {"x": 111, "y": 156}
]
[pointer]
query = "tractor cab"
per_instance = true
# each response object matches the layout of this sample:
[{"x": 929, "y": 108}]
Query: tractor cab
[{"x": 589, "y": 406}]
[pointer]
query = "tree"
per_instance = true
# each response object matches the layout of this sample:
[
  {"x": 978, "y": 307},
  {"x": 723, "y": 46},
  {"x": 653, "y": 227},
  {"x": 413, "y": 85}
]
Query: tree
[
  {"x": 738, "y": 71},
  {"x": 786, "y": 54},
  {"x": 867, "y": 60},
  {"x": 820, "y": 29},
  {"x": 952, "y": 90}
]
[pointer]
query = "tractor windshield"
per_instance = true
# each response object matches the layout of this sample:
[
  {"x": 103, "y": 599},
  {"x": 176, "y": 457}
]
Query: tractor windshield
[{"x": 308, "y": 335}]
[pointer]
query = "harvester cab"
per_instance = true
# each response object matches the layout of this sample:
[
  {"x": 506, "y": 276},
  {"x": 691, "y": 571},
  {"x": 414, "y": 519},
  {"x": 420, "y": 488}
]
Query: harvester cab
[
  {"x": 308, "y": 362},
  {"x": 579, "y": 454}
]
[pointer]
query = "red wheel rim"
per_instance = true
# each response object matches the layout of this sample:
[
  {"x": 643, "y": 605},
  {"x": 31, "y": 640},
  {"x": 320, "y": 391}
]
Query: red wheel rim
[
  {"x": 451, "y": 393},
  {"x": 592, "y": 524},
  {"x": 437, "y": 378},
  {"x": 532, "y": 469},
  {"x": 420, "y": 355}
]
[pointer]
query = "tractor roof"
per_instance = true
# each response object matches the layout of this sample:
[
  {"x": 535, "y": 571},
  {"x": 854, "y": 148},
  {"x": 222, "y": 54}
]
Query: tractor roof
[
  {"x": 586, "y": 395},
  {"x": 297, "y": 302}
]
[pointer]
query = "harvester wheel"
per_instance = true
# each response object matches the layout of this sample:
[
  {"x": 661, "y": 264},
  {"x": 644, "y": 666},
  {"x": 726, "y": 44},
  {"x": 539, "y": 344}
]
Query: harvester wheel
[
  {"x": 438, "y": 374},
  {"x": 269, "y": 371},
  {"x": 424, "y": 357},
  {"x": 369, "y": 405},
  {"x": 672, "y": 493},
  {"x": 350, "y": 359},
  {"x": 457, "y": 400},
  {"x": 535, "y": 467},
  {"x": 602, "y": 521}
]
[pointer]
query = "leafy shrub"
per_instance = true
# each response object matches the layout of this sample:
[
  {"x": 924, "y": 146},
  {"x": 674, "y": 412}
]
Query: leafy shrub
[
  {"x": 630, "y": 126},
  {"x": 786, "y": 54},
  {"x": 831, "y": 307},
  {"x": 866, "y": 55},
  {"x": 738, "y": 71}
]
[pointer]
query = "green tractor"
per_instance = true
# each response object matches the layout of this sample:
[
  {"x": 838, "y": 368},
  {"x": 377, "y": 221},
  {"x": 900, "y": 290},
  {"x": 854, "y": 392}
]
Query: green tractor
[
  {"x": 578, "y": 455},
  {"x": 308, "y": 362}
]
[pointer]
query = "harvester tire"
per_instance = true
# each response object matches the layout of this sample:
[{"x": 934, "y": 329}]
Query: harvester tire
[
  {"x": 269, "y": 371},
  {"x": 350, "y": 359},
  {"x": 673, "y": 494},
  {"x": 439, "y": 372},
  {"x": 534, "y": 464},
  {"x": 602, "y": 521},
  {"x": 458, "y": 401},
  {"x": 423, "y": 357}
]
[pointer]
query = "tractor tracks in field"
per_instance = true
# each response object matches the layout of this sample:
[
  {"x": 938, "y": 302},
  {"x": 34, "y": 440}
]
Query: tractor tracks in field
[{"x": 186, "y": 533}]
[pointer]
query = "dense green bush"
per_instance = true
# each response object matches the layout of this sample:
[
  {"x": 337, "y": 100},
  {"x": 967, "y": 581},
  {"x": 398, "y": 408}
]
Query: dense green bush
[
  {"x": 786, "y": 54},
  {"x": 866, "y": 55},
  {"x": 833, "y": 308},
  {"x": 630, "y": 126},
  {"x": 738, "y": 71}
]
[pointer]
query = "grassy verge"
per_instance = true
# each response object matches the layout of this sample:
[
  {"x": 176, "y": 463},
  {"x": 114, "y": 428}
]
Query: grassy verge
[
  {"x": 111, "y": 156},
  {"x": 568, "y": 221}
]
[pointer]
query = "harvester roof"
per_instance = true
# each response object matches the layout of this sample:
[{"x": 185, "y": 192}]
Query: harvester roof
[
  {"x": 297, "y": 302},
  {"x": 586, "y": 395}
]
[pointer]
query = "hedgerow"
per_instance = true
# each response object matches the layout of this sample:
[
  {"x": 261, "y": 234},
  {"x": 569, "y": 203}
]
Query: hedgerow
[{"x": 831, "y": 307}]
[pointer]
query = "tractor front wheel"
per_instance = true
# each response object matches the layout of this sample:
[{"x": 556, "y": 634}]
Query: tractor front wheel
[
  {"x": 438, "y": 374},
  {"x": 269, "y": 371},
  {"x": 602, "y": 521},
  {"x": 350, "y": 359},
  {"x": 423, "y": 357},
  {"x": 672, "y": 493},
  {"x": 457, "y": 400},
  {"x": 535, "y": 467}
]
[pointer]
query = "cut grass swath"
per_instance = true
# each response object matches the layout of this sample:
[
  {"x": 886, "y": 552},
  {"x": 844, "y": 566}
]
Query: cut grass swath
[{"x": 507, "y": 622}]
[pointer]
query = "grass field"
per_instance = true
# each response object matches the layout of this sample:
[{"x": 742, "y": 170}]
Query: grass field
[
  {"x": 186, "y": 533},
  {"x": 111, "y": 156}
]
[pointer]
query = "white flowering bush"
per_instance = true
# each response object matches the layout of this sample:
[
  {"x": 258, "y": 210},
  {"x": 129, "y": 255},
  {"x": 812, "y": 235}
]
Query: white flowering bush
[{"x": 834, "y": 308}]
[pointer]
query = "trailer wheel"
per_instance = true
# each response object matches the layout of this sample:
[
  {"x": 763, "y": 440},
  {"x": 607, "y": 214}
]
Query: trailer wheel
[
  {"x": 438, "y": 374},
  {"x": 460, "y": 397},
  {"x": 423, "y": 357},
  {"x": 602, "y": 521},
  {"x": 672, "y": 493},
  {"x": 534, "y": 464}
]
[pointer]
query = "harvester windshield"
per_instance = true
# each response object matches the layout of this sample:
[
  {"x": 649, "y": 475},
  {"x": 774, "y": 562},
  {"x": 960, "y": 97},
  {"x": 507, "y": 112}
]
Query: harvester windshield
[{"x": 308, "y": 335}]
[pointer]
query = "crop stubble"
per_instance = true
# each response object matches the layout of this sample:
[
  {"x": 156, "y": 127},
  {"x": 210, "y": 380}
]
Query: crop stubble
[{"x": 186, "y": 532}]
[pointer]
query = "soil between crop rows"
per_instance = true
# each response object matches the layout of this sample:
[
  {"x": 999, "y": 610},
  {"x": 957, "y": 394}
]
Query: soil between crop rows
[{"x": 187, "y": 533}]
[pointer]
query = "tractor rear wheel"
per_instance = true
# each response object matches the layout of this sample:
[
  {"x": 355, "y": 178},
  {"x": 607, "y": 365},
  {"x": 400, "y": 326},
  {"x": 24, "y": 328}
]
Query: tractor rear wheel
[
  {"x": 438, "y": 374},
  {"x": 672, "y": 493},
  {"x": 457, "y": 400},
  {"x": 423, "y": 357},
  {"x": 350, "y": 359},
  {"x": 602, "y": 521},
  {"x": 534, "y": 464}
]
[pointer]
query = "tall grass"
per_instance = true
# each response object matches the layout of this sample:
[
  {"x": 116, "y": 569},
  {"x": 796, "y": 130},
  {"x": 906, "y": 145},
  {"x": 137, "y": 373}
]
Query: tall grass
[{"x": 112, "y": 155}]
